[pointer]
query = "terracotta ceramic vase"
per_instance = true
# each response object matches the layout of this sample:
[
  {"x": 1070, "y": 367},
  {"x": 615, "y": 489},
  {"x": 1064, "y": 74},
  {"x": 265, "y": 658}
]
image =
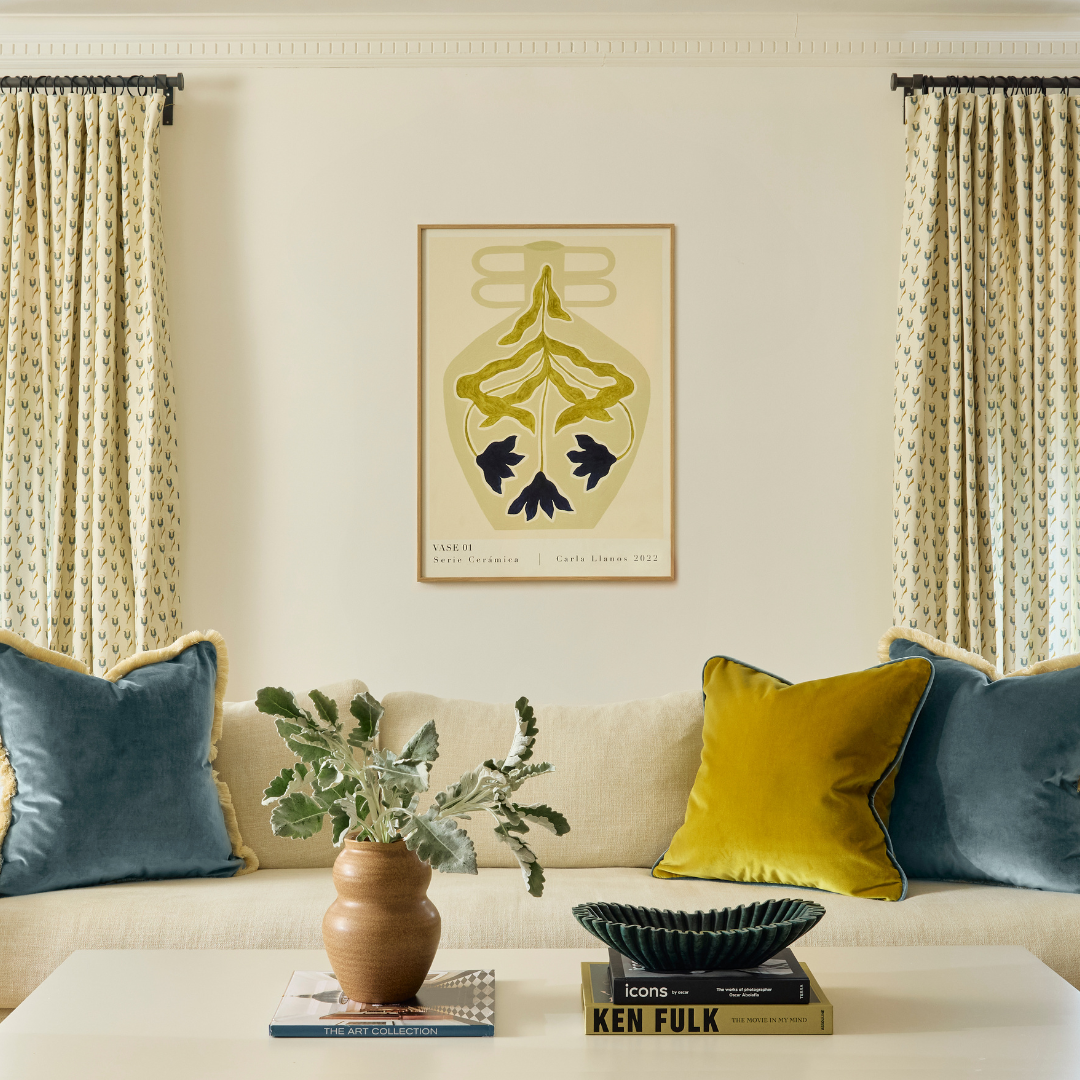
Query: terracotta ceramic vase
[{"x": 382, "y": 931}]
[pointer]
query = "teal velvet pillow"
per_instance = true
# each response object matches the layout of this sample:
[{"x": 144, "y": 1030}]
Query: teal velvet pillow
[
  {"x": 987, "y": 788},
  {"x": 110, "y": 779}
]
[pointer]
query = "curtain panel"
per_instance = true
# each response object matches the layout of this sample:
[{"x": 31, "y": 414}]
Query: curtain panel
[
  {"x": 987, "y": 519},
  {"x": 90, "y": 516}
]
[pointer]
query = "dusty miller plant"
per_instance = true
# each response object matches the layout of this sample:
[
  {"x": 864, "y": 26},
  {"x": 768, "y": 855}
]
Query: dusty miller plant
[{"x": 374, "y": 794}]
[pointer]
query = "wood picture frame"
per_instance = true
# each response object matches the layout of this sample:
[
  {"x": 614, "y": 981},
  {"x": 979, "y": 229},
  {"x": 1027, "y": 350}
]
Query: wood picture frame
[{"x": 545, "y": 403}]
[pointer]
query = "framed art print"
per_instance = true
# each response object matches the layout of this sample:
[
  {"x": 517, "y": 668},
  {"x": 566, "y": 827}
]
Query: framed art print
[{"x": 545, "y": 402}]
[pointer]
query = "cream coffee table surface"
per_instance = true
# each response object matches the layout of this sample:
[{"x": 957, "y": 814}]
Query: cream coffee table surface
[{"x": 909, "y": 1011}]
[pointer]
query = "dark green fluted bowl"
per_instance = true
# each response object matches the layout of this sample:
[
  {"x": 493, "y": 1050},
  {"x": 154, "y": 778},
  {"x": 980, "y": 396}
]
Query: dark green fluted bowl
[{"x": 736, "y": 937}]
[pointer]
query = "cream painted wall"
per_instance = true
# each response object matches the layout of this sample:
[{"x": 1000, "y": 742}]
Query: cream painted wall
[{"x": 291, "y": 199}]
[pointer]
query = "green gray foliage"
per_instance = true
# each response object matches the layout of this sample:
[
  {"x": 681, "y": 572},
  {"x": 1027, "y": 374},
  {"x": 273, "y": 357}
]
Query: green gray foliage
[{"x": 374, "y": 794}]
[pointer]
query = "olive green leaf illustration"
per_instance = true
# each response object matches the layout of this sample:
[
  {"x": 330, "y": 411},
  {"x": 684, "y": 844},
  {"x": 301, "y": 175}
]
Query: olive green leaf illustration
[
  {"x": 555, "y": 365},
  {"x": 554, "y": 308},
  {"x": 549, "y": 370}
]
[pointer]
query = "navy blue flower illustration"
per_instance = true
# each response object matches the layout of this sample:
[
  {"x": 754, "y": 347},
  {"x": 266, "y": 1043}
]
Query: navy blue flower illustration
[
  {"x": 595, "y": 458},
  {"x": 540, "y": 493},
  {"x": 496, "y": 461}
]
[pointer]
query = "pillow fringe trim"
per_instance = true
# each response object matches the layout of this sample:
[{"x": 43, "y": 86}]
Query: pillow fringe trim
[
  {"x": 937, "y": 647},
  {"x": 40, "y": 652},
  {"x": 954, "y": 652},
  {"x": 1058, "y": 663},
  {"x": 8, "y": 787},
  {"x": 232, "y": 826}
]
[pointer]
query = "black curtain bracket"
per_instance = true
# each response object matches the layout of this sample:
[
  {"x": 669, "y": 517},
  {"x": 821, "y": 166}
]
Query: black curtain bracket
[{"x": 89, "y": 84}]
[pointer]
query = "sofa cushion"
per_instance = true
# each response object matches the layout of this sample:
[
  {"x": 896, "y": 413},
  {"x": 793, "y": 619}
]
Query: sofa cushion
[
  {"x": 250, "y": 755},
  {"x": 113, "y": 775},
  {"x": 283, "y": 909},
  {"x": 987, "y": 790},
  {"x": 622, "y": 772},
  {"x": 789, "y": 774}
]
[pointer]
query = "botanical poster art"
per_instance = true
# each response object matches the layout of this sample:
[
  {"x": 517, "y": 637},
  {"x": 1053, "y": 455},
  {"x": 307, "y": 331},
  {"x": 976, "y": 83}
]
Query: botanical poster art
[{"x": 545, "y": 402}]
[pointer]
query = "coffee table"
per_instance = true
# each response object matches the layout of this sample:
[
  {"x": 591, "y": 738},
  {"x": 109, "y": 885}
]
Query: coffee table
[{"x": 926, "y": 1011}]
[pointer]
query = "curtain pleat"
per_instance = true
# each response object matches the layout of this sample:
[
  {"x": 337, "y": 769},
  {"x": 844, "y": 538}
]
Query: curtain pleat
[
  {"x": 987, "y": 519},
  {"x": 90, "y": 514}
]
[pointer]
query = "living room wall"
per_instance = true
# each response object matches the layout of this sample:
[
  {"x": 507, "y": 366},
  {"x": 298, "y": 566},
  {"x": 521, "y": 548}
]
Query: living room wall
[
  {"x": 291, "y": 196},
  {"x": 292, "y": 200}
]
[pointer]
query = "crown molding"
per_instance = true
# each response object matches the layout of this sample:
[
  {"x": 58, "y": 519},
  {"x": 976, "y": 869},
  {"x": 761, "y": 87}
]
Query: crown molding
[{"x": 60, "y": 43}]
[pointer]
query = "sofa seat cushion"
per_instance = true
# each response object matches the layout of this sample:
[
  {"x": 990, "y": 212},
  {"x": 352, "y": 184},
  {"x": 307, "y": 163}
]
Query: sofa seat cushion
[{"x": 283, "y": 909}]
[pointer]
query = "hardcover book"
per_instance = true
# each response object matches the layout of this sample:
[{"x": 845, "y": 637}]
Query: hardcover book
[
  {"x": 779, "y": 981},
  {"x": 450, "y": 1003},
  {"x": 605, "y": 1017}
]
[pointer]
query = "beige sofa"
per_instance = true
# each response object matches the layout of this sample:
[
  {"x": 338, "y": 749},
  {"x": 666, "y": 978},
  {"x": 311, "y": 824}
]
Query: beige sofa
[{"x": 623, "y": 775}]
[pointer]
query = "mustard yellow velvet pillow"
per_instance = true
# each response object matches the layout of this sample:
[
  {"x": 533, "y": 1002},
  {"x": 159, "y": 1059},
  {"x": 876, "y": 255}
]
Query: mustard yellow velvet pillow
[{"x": 789, "y": 773}]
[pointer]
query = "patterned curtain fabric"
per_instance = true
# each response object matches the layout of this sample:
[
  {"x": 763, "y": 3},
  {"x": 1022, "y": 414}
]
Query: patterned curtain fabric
[
  {"x": 90, "y": 519},
  {"x": 987, "y": 530}
]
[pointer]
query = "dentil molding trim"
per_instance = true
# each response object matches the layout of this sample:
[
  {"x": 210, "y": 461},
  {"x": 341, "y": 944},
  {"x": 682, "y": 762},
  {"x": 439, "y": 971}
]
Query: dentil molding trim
[{"x": 55, "y": 43}]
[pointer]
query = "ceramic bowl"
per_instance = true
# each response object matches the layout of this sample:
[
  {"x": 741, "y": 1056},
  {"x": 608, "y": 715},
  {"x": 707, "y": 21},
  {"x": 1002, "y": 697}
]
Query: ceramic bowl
[{"x": 736, "y": 937}]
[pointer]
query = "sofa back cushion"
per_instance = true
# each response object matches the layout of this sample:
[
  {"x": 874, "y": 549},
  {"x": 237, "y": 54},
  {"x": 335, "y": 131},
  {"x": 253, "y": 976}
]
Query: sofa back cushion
[
  {"x": 623, "y": 771},
  {"x": 250, "y": 755}
]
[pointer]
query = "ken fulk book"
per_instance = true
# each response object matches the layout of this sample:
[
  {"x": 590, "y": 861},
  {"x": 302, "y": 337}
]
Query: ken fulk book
[
  {"x": 605, "y": 1017},
  {"x": 779, "y": 981}
]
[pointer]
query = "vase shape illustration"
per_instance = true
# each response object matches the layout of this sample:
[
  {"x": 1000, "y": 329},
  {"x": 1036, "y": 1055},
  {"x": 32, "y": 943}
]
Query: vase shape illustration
[{"x": 545, "y": 412}]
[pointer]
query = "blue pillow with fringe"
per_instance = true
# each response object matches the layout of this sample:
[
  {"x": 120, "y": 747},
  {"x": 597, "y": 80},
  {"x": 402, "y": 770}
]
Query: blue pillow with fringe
[
  {"x": 987, "y": 788},
  {"x": 110, "y": 779}
]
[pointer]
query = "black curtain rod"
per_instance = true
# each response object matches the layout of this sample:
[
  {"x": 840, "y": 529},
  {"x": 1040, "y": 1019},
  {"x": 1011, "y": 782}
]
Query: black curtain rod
[
  {"x": 87, "y": 84},
  {"x": 917, "y": 84}
]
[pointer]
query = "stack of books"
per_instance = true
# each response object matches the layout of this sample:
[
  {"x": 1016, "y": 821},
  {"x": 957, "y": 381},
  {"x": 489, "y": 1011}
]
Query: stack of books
[{"x": 781, "y": 997}]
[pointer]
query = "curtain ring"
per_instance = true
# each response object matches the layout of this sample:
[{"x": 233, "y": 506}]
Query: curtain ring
[{"x": 1012, "y": 83}]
